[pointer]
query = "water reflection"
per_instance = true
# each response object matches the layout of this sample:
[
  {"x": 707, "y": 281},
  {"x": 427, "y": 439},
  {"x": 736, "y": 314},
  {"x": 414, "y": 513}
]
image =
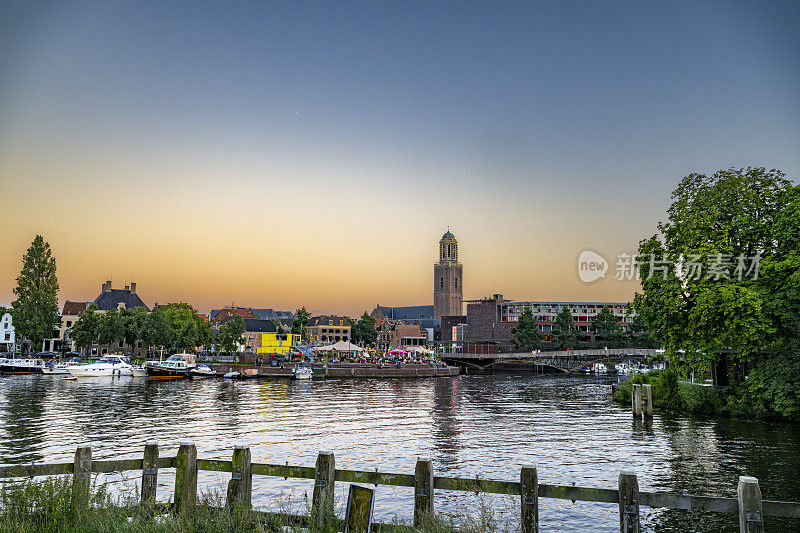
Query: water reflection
[{"x": 484, "y": 426}]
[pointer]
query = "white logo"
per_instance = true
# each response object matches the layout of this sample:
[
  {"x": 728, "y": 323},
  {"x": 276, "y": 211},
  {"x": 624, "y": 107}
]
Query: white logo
[{"x": 591, "y": 266}]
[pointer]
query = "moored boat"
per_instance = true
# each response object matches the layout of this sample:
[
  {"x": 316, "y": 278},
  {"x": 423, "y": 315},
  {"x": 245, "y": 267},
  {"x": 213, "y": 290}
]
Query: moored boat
[
  {"x": 202, "y": 371},
  {"x": 303, "y": 372},
  {"x": 106, "y": 366},
  {"x": 177, "y": 366},
  {"x": 22, "y": 366}
]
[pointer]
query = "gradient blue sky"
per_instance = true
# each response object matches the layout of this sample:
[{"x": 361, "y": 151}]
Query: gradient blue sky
[{"x": 312, "y": 153}]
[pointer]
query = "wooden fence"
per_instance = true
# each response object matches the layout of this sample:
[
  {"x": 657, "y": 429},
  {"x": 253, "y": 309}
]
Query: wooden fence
[{"x": 748, "y": 503}]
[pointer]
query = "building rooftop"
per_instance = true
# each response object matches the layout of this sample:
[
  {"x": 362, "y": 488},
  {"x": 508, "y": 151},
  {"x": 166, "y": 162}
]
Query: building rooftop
[{"x": 111, "y": 298}]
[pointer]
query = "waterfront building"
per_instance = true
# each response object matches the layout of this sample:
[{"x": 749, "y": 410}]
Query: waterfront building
[
  {"x": 410, "y": 314},
  {"x": 492, "y": 319},
  {"x": 326, "y": 329},
  {"x": 126, "y": 298},
  {"x": 218, "y": 316},
  {"x": 279, "y": 343},
  {"x": 70, "y": 314},
  {"x": 7, "y": 337},
  {"x": 405, "y": 336},
  {"x": 448, "y": 279}
]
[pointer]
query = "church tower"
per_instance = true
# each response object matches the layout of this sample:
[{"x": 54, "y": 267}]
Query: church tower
[{"x": 447, "y": 279}]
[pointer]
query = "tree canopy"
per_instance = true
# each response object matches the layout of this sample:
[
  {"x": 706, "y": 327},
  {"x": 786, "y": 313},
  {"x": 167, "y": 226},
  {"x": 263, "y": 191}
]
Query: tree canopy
[
  {"x": 299, "y": 324},
  {"x": 526, "y": 335},
  {"x": 564, "y": 330},
  {"x": 231, "y": 334},
  {"x": 36, "y": 304},
  {"x": 606, "y": 325}
]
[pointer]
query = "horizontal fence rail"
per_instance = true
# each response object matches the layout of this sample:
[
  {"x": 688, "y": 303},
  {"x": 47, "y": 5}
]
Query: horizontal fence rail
[{"x": 748, "y": 503}]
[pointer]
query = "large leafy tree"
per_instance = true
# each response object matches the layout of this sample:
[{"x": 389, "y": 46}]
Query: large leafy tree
[
  {"x": 85, "y": 331},
  {"x": 157, "y": 330},
  {"x": 367, "y": 334},
  {"x": 111, "y": 327},
  {"x": 606, "y": 325},
  {"x": 187, "y": 328},
  {"x": 36, "y": 304},
  {"x": 703, "y": 292},
  {"x": 526, "y": 335},
  {"x": 564, "y": 330},
  {"x": 300, "y": 322},
  {"x": 231, "y": 334},
  {"x": 135, "y": 321}
]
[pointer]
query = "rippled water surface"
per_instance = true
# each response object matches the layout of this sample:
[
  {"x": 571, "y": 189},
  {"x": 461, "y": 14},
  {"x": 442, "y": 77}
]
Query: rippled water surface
[{"x": 484, "y": 426}]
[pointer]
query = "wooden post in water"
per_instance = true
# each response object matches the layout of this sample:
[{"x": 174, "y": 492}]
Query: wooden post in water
[
  {"x": 750, "y": 508},
  {"x": 240, "y": 487},
  {"x": 423, "y": 491},
  {"x": 149, "y": 473},
  {"x": 529, "y": 499},
  {"x": 323, "y": 498},
  {"x": 636, "y": 400},
  {"x": 81, "y": 476},
  {"x": 185, "y": 477},
  {"x": 647, "y": 401},
  {"x": 628, "y": 503}
]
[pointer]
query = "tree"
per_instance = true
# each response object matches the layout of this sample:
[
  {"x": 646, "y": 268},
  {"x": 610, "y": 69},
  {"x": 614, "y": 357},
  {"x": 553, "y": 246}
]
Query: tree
[
  {"x": 300, "y": 322},
  {"x": 564, "y": 330},
  {"x": 606, "y": 325},
  {"x": 187, "y": 329},
  {"x": 111, "y": 327},
  {"x": 727, "y": 224},
  {"x": 355, "y": 334},
  {"x": 135, "y": 321},
  {"x": 157, "y": 331},
  {"x": 367, "y": 334},
  {"x": 526, "y": 335},
  {"x": 36, "y": 304},
  {"x": 231, "y": 334},
  {"x": 278, "y": 326},
  {"x": 86, "y": 329}
]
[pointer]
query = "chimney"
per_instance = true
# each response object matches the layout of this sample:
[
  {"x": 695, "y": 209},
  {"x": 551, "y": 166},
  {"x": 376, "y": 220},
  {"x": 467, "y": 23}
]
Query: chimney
[
  {"x": 106, "y": 286},
  {"x": 133, "y": 287},
  {"x": 128, "y": 288}
]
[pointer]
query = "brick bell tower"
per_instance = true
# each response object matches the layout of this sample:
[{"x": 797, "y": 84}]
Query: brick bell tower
[{"x": 447, "y": 279}]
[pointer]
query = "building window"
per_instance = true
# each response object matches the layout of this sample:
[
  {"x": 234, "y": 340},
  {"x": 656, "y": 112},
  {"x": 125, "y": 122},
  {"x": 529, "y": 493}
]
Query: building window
[
  {"x": 441, "y": 283},
  {"x": 456, "y": 283},
  {"x": 121, "y": 344},
  {"x": 69, "y": 323}
]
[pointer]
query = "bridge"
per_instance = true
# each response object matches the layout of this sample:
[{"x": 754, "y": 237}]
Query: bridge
[{"x": 565, "y": 361}]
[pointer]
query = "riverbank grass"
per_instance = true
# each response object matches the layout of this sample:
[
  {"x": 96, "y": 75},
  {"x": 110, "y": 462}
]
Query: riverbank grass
[{"x": 48, "y": 506}]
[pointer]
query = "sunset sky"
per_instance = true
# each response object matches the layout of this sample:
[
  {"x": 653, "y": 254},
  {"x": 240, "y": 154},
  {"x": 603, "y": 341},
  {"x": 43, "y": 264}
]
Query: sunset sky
[{"x": 280, "y": 154}]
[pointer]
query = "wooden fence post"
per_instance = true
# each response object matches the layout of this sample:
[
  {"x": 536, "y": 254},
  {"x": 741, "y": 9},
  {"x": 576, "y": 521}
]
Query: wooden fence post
[
  {"x": 750, "y": 510},
  {"x": 529, "y": 499},
  {"x": 628, "y": 503},
  {"x": 240, "y": 487},
  {"x": 149, "y": 473},
  {"x": 81, "y": 476},
  {"x": 323, "y": 498},
  {"x": 636, "y": 400},
  {"x": 423, "y": 491},
  {"x": 185, "y": 477},
  {"x": 647, "y": 401}
]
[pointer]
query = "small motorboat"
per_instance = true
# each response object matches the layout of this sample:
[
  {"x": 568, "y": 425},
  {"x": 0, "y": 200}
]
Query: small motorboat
[
  {"x": 304, "y": 372},
  {"x": 176, "y": 366},
  {"x": 202, "y": 371},
  {"x": 139, "y": 371},
  {"x": 106, "y": 366},
  {"x": 22, "y": 366},
  {"x": 232, "y": 375},
  {"x": 61, "y": 368}
]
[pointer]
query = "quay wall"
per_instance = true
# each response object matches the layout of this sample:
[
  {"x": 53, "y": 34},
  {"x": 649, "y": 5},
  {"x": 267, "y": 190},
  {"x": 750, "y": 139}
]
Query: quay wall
[{"x": 345, "y": 371}]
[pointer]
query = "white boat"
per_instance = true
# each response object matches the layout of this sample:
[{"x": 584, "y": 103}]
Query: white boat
[
  {"x": 202, "y": 371},
  {"x": 600, "y": 368},
  {"x": 22, "y": 366},
  {"x": 139, "y": 371},
  {"x": 303, "y": 372},
  {"x": 61, "y": 368},
  {"x": 108, "y": 365}
]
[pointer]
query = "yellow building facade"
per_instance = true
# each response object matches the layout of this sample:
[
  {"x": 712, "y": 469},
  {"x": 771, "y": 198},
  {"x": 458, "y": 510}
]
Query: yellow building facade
[{"x": 280, "y": 343}]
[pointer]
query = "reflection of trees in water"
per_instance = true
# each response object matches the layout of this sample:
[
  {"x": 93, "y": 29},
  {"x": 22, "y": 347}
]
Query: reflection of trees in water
[
  {"x": 23, "y": 420},
  {"x": 709, "y": 456}
]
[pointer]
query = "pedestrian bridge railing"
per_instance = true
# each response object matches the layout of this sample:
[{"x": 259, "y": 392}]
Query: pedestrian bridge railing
[{"x": 748, "y": 504}]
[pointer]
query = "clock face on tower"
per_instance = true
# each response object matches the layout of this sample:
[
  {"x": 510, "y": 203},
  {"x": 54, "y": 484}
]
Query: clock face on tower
[{"x": 447, "y": 279}]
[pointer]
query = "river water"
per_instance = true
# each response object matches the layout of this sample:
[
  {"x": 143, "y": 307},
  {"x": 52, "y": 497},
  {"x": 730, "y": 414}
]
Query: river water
[{"x": 469, "y": 426}]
